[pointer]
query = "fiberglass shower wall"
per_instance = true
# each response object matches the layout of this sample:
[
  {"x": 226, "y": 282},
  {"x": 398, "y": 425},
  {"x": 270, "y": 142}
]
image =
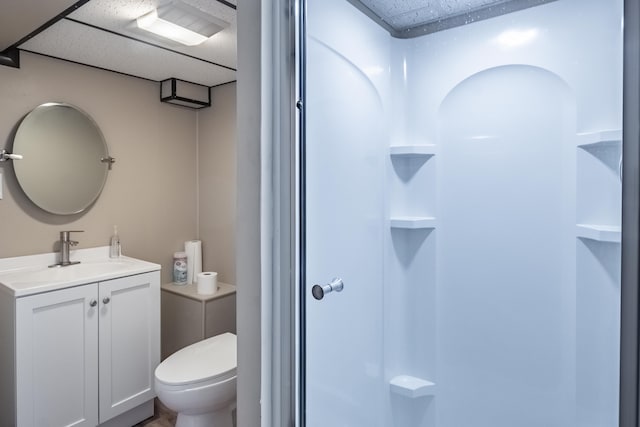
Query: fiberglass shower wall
[{"x": 475, "y": 176}]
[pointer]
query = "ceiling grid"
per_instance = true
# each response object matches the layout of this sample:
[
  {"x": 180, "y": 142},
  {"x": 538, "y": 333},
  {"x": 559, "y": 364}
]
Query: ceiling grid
[{"x": 104, "y": 34}]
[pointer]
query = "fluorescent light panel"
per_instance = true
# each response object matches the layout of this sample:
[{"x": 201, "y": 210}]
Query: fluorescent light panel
[{"x": 181, "y": 23}]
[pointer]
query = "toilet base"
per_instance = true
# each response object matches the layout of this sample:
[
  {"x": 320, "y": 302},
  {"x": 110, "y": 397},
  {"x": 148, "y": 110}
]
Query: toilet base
[{"x": 220, "y": 418}]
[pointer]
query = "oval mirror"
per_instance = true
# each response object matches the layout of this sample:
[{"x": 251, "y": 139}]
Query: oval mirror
[{"x": 65, "y": 158}]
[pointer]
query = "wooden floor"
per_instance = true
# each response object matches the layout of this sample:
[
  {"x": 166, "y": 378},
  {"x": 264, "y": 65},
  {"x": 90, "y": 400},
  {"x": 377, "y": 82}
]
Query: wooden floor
[{"x": 164, "y": 417}]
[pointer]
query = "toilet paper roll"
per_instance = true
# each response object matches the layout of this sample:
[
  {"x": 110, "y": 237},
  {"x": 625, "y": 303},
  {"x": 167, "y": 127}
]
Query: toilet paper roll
[
  {"x": 207, "y": 283},
  {"x": 193, "y": 248}
]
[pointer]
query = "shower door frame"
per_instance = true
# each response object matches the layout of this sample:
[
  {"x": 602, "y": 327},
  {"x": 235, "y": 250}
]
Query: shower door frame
[
  {"x": 287, "y": 36},
  {"x": 629, "y": 328}
]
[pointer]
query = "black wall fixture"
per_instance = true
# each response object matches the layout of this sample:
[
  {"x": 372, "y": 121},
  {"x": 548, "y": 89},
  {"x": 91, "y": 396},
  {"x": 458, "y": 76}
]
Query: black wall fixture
[
  {"x": 185, "y": 94},
  {"x": 10, "y": 57}
]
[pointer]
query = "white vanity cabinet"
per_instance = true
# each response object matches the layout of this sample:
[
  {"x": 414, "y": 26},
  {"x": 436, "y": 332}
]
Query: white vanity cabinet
[
  {"x": 129, "y": 342},
  {"x": 57, "y": 358},
  {"x": 81, "y": 355}
]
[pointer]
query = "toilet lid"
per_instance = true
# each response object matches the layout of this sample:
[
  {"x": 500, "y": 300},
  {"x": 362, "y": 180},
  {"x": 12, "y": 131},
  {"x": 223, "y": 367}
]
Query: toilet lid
[{"x": 203, "y": 361}]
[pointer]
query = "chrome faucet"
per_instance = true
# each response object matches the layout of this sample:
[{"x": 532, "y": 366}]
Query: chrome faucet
[{"x": 65, "y": 244}]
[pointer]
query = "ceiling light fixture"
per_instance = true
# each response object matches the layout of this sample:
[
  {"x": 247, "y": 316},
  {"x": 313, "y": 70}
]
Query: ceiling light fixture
[{"x": 181, "y": 23}]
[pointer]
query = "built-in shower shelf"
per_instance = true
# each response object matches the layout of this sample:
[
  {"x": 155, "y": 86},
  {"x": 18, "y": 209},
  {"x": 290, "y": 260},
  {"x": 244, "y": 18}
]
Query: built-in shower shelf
[
  {"x": 413, "y": 150},
  {"x": 602, "y": 139},
  {"x": 413, "y": 222},
  {"x": 412, "y": 387},
  {"x": 600, "y": 233}
]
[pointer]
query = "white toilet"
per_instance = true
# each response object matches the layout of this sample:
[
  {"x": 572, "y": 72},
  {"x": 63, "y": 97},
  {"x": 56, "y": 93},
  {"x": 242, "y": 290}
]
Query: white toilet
[{"x": 199, "y": 382}]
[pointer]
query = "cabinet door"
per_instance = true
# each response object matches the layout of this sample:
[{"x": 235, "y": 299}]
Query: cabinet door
[
  {"x": 129, "y": 342},
  {"x": 57, "y": 358}
]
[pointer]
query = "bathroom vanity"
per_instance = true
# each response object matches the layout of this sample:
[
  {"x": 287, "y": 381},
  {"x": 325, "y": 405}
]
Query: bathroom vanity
[{"x": 80, "y": 343}]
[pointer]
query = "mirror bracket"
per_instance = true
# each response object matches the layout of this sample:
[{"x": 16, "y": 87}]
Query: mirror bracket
[
  {"x": 5, "y": 156},
  {"x": 110, "y": 160}
]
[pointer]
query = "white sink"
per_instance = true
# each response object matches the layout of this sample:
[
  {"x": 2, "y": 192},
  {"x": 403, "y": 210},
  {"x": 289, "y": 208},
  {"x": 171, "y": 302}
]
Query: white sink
[
  {"x": 64, "y": 274},
  {"x": 31, "y": 274}
]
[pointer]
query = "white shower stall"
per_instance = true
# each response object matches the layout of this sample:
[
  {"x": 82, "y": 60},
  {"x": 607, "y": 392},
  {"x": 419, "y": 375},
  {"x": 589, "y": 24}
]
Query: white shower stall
[{"x": 465, "y": 186}]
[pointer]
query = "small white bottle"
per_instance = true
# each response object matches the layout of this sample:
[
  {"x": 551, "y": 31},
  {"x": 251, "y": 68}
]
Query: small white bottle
[{"x": 115, "y": 250}]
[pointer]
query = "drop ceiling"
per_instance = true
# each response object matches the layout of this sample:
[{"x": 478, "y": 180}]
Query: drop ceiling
[{"x": 103, "y": 34}]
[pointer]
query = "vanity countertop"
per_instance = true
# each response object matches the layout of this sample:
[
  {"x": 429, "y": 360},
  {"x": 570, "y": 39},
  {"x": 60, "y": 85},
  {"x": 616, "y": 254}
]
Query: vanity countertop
[{"x": 28, "y": 275}]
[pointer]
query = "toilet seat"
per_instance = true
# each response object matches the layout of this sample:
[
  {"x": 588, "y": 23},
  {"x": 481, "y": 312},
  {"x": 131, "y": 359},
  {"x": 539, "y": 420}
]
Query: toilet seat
[{"x": 209, "y": 361}]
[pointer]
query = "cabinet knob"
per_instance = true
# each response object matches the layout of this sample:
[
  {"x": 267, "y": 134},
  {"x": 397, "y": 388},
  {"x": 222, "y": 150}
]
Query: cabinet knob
[
  {"x": 93, "y": 303},
  {"x": 106, "y": 300}
]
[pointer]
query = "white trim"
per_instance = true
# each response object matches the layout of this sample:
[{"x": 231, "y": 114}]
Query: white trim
[{"x": 266, "y": 214}]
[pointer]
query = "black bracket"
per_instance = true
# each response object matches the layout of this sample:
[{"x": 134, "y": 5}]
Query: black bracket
[{"x": 10, "y": 57}]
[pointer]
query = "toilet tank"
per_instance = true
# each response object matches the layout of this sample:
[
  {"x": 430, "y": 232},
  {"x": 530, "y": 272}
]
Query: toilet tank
[{"x": 188, "y": 317}]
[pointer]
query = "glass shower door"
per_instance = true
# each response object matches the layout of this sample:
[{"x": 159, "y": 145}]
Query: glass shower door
[
  {"x": 344, "y": 235},
  {"x": 462, "y": 211}
]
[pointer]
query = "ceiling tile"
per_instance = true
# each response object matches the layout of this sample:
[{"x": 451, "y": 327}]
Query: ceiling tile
[
  {"x": 86, "y": 45},
  {"x": 404, "y": 14},
  {"x": 119, "y": 16}
]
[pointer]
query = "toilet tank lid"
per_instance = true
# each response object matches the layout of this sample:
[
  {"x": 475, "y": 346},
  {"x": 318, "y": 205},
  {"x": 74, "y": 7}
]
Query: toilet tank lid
[{"x": 202, "y": 361}]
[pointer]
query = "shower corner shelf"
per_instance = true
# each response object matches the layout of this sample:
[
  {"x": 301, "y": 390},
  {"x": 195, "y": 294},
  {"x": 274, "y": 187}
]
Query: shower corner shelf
[
  {"x": 413, "y": 222},
  {"x": 606, "y": 138},
  {"x": 412, "y": 387},
  {"x": 426, "y": 150},
  {"x": 599, "y": 233}
]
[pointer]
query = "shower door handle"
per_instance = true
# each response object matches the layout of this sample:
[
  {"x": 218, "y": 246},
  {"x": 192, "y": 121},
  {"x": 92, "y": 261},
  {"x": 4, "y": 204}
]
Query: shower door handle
[{"x": 319, "y": 291}]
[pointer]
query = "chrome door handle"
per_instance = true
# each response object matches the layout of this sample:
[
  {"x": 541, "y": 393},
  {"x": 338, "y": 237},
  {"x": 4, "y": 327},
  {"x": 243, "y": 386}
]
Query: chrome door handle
[
  {"x": 319, "y": 291},
  {"x": 106, "y": 300},
  {"x": 93, "y": 303}
]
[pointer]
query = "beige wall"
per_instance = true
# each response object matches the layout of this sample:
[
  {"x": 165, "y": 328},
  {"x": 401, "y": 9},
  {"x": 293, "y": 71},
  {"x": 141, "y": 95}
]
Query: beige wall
[
  {"x": 217, "y": 182},
  {"x": 151, "y": 191}
]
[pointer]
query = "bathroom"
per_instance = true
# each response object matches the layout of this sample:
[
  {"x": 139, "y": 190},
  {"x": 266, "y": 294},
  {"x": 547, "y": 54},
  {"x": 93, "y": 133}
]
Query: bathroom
[
  {"x": 143, "y": 135},
  {"x": 173, "y": 179}
]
